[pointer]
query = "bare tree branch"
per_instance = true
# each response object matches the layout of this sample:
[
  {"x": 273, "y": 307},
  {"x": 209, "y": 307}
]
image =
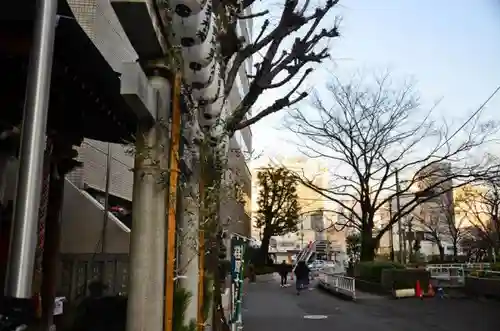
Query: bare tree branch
[
  {"x": 279, "y": 104},
  {"x": 373, "y": 131},
  {"x": 438, "y": 218},
  {"x": 251, "y": 16},
  {"x": 479, "y": 205},
  {"x": 274, "y": 66}
]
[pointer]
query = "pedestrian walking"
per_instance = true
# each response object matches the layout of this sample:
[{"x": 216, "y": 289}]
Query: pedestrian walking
[
  {"x": 302, "y": 272},
  {"x": 283, "y": 272}
]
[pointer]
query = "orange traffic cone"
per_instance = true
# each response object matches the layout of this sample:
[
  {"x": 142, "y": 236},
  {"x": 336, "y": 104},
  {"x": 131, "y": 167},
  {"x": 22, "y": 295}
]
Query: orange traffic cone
[
  {"x": 430, "y": 291},
  {"x": 418, "y": 290}
]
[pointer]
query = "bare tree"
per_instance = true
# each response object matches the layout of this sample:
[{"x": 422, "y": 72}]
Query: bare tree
[
  {"x": 474, "y": 245},
  {"x": 480, "y": 207},
  {"x": 283, "y": 54},
  {"x": 370, "y": 132},
  {"x": 434, "y": 229},
  {"x": 276, "y": 63},
  {"x": 457, "y": 231},
  {"x": 439, "y": 220}
]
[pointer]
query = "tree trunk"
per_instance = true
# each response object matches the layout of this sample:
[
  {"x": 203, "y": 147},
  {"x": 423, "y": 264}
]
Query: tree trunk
[
  {"x": 264, "y": 248},
  {"x": 441, "y": 252},
  {"x": 455, "y": 250},
  {"x": 219, "y": 322},
  {"x": 410, "y": 250},
  {"x": 368, "y": 245}
]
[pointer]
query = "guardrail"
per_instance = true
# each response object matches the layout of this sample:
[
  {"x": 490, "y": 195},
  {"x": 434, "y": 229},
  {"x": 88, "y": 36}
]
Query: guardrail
[
  {"x": 465, "y": 266},
  {"x": 487, "y": 273},
  {"x": 447, "y": 275},
  {"x": 336, "y": 283}
]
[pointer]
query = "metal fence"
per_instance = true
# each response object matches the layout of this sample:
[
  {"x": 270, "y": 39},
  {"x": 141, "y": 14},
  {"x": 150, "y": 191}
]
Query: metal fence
[
  {"x": 336, "y": 283},
  {"x": 453, "y": 274},
  {"x": 78, "y": 270},
  {"x": 447, "y": 275},
  {"x": 465, "y": 266}
]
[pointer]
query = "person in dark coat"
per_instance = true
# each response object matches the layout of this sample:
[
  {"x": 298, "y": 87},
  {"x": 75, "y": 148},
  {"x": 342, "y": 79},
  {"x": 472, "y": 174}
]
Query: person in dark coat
[
  {"x": 302, "y": 272},
  {"x": 283, "y": 271}
]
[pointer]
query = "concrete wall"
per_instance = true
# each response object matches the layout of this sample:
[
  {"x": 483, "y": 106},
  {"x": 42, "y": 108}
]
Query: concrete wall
[
  {"x": 82, "y": 224},
  {"x": 241, "y": 147},
  {"x": 236, "y": 211},
  {"x": 101, "y": 24},
  {"x": 93, "y": 154},
  {"x": 81, "y": 220}
]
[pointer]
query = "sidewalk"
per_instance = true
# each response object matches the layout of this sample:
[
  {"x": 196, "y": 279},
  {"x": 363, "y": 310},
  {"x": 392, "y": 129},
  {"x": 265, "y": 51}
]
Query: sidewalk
[{"x": 267, "y": 307}]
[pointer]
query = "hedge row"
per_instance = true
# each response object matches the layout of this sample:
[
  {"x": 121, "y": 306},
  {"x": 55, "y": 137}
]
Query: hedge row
[
  {"x": 383, "y": 277},
  {"x": 372, "y": 271}
]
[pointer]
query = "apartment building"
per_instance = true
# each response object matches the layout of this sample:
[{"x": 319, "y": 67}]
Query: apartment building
[
  {"x": 107, "y": 172},
  {"x": 236, "y": 212},
  {"x": 83, "y": 208},
  {"x": 428, "y": 220}
]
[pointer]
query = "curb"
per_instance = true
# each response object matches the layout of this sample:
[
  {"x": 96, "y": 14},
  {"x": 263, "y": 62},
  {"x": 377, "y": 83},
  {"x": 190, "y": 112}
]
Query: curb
[{"x": 336, "y": 293}]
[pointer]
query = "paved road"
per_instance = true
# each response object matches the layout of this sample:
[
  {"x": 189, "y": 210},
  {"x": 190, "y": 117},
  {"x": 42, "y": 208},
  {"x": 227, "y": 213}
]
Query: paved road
[{"x": 267, "y": 307}]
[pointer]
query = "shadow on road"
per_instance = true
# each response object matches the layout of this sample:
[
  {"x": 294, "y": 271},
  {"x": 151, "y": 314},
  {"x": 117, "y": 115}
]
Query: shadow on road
[{"x": 267, "y": 307}]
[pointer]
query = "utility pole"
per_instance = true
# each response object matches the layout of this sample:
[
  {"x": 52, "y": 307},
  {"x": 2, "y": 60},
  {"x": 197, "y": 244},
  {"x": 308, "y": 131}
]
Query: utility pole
[
  {"x": 391, "y": 229},
  {"x": 398, "y": 213},
  {"x": 27, "y": 201},
  {"x": 147, "y": 243}
]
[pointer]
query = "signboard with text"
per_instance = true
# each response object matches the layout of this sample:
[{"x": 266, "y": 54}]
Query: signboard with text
[{"x": 238, "y": 246}]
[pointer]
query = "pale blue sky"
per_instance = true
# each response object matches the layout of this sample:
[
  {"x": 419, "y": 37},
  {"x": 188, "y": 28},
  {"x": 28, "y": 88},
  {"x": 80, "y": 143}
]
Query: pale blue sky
[{"x": 450, "y": 47}]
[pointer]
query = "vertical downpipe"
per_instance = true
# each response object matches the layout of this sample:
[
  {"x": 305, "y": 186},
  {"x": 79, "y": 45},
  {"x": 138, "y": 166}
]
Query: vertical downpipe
[{"x": 27, "y": 202}]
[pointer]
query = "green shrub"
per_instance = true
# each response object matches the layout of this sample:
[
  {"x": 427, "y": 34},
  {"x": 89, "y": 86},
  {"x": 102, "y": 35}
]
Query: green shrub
[
  {"x": 372, "y": 271},
  {"x": 208, "y": 291},
  {"x": 371, "y": 287},
  {"x": 404, "y": 278},
  {"x": 182, "y": 298},
  {"x": 495, "y": 266}
]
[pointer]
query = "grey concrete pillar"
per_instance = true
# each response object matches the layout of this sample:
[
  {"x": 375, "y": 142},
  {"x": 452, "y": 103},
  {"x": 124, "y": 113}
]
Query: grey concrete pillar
[{"x": 147, "y": 247}]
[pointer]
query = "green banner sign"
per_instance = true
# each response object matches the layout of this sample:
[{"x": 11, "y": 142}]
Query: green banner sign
[{"x": 238, "y": 247}]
